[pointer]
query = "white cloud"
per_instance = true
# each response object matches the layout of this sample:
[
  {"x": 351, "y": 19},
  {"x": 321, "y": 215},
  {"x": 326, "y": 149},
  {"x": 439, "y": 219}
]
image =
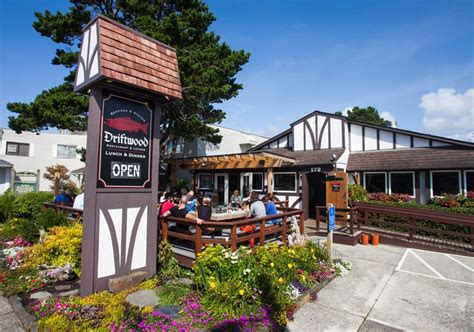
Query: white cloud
[{"x": 449, "y": 113}]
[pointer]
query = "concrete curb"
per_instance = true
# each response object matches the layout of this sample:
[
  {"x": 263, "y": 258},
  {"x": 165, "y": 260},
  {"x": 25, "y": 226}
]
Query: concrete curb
[{"x": 27, "y": 320}]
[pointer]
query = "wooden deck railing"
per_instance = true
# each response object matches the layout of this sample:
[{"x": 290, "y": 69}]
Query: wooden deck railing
[
  {"x": 199, "y": 239},
  {"x": 72, "y": 212},
  {"x": 341, "y": 216},
  {"x": 420, "y": 225}
]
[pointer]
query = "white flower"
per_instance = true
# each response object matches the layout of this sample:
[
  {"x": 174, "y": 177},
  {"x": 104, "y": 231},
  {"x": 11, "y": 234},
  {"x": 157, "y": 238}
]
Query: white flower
[{"x": 246, "y": 271}]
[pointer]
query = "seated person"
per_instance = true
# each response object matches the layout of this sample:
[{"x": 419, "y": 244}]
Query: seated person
[
  {"x": 235, "y": 199},
  {"x": 270, "y": 208},
  {"x": 79, "y": 202},
  {"x": 62, "y": 199},
  {"x": 257, "y": 208},
  {"x": 179, "y": 211},
  {"x": 191, "y": 205},
  {"x": 167, "y": 204},
  {"x": 205, "y": 212}
]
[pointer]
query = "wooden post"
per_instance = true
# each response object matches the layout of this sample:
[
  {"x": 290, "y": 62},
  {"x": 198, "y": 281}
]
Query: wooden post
[
  {"x": 262, "y": 233},
  {"x": 233, "y": 238},
  {"x": 198, "y": 240},
  {"x": 284, "y": 230},
  {"x": 318, "y": 217},
  {"x": 302, "y": 222},
  {"x": 270, "y": 180},
  {"x": 164, "y": 229},
  {"x": 411, "y": 231}
]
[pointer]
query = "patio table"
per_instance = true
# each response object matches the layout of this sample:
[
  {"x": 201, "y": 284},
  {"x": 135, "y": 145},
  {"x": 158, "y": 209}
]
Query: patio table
[{"x": 229, "y": 215}]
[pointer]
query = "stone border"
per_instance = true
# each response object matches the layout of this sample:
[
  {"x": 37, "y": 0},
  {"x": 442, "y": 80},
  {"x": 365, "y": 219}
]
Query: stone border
[
  {"x": 306, "y": 296},
  {"x": 27, "y": 320}
]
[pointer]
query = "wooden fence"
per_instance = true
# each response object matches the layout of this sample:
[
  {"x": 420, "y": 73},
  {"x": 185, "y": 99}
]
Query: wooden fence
[
  {"x": 72, "y": 212},
  {"x": 198, "y": 239}
]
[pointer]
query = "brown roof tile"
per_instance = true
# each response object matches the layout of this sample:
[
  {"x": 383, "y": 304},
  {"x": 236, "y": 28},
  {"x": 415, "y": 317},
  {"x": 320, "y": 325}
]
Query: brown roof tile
[
  {"x": 129, "y": 57},
  {"x": 411, "y": 159}
]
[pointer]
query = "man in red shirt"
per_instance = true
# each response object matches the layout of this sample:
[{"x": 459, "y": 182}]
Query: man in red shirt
[{"x": 167, "y": 204}]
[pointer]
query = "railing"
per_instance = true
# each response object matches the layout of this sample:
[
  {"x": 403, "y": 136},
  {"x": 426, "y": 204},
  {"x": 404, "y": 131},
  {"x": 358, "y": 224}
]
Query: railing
[
  {"x": 72, "y": 212},
  {"x": 417, "y": 224},
  {"x": 199, "y": 238},
  {"x": 341, "y": 216}
]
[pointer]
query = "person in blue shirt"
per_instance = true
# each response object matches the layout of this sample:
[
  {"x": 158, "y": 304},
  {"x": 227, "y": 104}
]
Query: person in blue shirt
[
  {"x": 270, "y": 208},
  {"x": 62, "y": 198},
  {"x": 191, "y": 205}
]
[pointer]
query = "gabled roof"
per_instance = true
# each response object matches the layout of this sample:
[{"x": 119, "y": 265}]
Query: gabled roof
[
  {"x": 271, "y": 139},
  {"x": 308, "y": 157}
]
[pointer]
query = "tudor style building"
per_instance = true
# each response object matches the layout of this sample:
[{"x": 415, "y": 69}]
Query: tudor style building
[{"x": 312, "y": 162}]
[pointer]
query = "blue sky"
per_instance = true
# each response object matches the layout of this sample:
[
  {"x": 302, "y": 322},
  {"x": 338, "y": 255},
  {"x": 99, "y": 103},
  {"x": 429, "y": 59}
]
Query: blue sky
[{"x": 412, "y": 59}]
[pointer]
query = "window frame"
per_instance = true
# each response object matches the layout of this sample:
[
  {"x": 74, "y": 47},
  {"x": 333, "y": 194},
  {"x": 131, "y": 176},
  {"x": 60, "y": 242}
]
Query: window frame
[
  {"x": 252, "y": 185},
  {"x": 445, "y": 171},
  {"x": 465, "y": 179},
  {"x": 17, "y": 149},
  {"x": 285, "y": 191},
  {"x": 199, "y": 181},
  {"x": 68, "y": 146},
  {"x": 401, "y": 172},
  {"x": 386, "y": 180}
]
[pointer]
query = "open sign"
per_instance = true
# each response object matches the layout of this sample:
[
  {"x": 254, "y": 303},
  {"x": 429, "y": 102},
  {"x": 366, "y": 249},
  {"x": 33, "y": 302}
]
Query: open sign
[
  {"x": 125, "y": 171},
  {"x": 336, "y": 186}
]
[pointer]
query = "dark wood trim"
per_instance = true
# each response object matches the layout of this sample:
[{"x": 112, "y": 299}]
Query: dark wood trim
[
  {"x": 304, "y": 136},
  {"x": 329, "y": 133},
  {"x": 311, "y": 134},
  {"x": 322, "y": 132},
  {"x": 378, "y": 139},
  {"x": 343, "y": 127},
  {"x": 431, "y": 142},
  {"x": 316, "y": 132},
  {"x": 394, "y": 140},
  {"x": 363, "y": 138},
  {"x": 411, "y": 141},
  {"x": 349, "y": 140}
]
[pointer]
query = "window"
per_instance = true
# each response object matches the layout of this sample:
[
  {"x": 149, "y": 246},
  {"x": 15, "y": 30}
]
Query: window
[
  {"x": 284, "y": 182},
  {"x": 18, "y": 149},
  {"x": 444, "y": 182},
  {"x": 257, "y": 181},
  {"x": 402, "y": 183},
  {"x": 204, "y": 181},
  {"x": 469, "y": 179},
  {"x": 67, "y": 151},
  {"x": 376, "y": 182}
]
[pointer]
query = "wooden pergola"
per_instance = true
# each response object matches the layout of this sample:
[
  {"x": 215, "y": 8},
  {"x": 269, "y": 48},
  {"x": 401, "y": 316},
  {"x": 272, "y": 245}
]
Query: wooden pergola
[{"x": 248, "y": 160}]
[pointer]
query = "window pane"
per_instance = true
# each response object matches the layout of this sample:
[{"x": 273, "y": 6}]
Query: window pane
[
  {"x": 66, "y": 151},
  {"x": 402, "y": 183},
  {"x": 12, "y": 148},
  {"x": 257, "y": 181},
  {"x": 445, "y": 183},
  {"x": 24, "y": 150},
  {"x": 284, "y": 182},
  {"x": 470, "y": 181},
  {"x": 205, "y": 181},
  {"x": 375, "y": 183}
]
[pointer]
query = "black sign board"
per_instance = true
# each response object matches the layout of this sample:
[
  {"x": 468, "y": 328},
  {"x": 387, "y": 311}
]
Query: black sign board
[{"x": 125, "y": 143}]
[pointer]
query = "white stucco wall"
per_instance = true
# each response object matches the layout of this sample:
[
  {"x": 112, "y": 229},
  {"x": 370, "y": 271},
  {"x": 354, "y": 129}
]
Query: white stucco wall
[{"x": 43, "y": 152}]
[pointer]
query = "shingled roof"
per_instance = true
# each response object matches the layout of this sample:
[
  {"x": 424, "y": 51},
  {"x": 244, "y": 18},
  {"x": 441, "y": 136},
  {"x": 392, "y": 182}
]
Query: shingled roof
[
  {"x": 307, "y": 158},
  {"x": 411, "y": 159},
  {"x": 113, "y": 51}
]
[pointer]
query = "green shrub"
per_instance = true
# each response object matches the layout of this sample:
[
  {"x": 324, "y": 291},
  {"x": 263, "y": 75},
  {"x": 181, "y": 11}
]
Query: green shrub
[
  {"x": 173, "y": 293},
  {"x": 29, "y": 229},
  {"x": 7, "y": 201},
  {"x": 167, "y": 266},
  {"x": 357, "y": 193},
  {"x": 28, "y": 205},
  {"x": 61, "y": 246}
]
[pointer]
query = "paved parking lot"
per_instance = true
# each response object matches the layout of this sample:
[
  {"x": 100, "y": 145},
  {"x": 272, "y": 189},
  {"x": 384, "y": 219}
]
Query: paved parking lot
[{"x": 394, "y": 289}]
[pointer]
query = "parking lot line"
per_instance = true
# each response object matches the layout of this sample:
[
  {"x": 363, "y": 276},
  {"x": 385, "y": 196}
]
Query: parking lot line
[
  {"x": 459, "y": 262},
  {"x": 402, "y": 260},
  {"x": 428, "y": 265},
  {"x": 434, "y": 277}
]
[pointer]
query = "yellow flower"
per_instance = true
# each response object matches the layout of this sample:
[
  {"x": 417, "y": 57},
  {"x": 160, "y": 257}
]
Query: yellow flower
[
  {"x": 280, "y": 280},
  {"x": 272, "y": 264},
  {"x": 241, "y": 292},
  {"x": 290, "y": 265},
  {"x": 303, "y": 277},
  {"x": 212, "y": 284}
]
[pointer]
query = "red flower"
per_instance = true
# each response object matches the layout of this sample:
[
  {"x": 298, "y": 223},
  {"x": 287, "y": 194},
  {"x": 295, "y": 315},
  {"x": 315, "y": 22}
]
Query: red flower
[{"x": 300, "y": 271}]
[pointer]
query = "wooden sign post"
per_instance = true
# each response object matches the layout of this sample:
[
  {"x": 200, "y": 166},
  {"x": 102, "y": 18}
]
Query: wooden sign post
[{"x": 128, "y": 77}]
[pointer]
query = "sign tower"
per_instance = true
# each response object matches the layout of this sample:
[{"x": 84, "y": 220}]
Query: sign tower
[{"x": 128, "y": 76}]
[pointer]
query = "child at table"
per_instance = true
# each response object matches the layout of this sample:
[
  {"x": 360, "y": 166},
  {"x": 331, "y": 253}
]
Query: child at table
[{"x": 205, "y": 212}]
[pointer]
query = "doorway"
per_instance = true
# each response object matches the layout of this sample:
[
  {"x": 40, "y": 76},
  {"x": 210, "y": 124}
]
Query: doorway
[
  {"x": 222, "y": 187},
  {"x": 234, "y": 183},
  {"x": 245, "y": 184},
  {"x": 316, "y": 188}
]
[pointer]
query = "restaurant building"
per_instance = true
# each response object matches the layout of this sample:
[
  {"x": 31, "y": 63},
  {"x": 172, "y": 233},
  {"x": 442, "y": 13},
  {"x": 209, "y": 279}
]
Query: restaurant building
[{"x": 312, "y": 162}]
